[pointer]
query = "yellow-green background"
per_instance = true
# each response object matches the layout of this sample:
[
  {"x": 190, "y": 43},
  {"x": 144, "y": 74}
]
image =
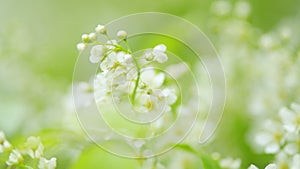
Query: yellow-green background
[{"x": 38, "y": 51}]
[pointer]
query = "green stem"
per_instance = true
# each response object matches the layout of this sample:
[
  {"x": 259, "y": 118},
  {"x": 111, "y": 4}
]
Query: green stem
[
  {"x": 127, "y": 46},
  {"x": 137, "y": 80}
]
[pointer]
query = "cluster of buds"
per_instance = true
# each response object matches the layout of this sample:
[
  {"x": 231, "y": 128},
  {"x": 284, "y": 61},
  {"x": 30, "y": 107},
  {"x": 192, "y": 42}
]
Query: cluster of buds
[{"x": 93, "y": 37}]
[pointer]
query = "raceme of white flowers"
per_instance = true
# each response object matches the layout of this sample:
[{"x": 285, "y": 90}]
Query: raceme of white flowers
[
  {"x": 132, "y": 82},
  {"x": 18, "y": 157},
  {"x": 122, "y": 72}
]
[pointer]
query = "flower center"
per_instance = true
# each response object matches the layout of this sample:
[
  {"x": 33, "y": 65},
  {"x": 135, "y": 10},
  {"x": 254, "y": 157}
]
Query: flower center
[
  {"x": 284, "y": 166},
  {"x": 277, "y": 136},
  {"x": 297, "y": 121}
]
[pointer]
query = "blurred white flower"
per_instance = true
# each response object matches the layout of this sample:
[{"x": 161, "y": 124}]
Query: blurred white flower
[
  {"x": 47, "y": 164},
  {"x": 100, "y": 29},
  {"x": 291, "y": 118},
  {"x": 85, "y": 38},
  {"x": 96, "y": 53},
  {"x": 152, "y": 79},
  {"x": 221, "y": 7},
  {"x": 296, "y": 162},
  {"x": 271, "y": 137},
  {"x": 268, "y": 41},
  {"x": 285, "y": 33},
  {"x": 15, "y": 158},
  {"x": 230, "y": 163},
  {"x": 269, "y": 166},
  {"x": 122, "y": 34},
  {"x": 293, "y": 143},
  {"x": 159, "y": 53},
  {"x": 34, "y": 147},
  {"x": 81, "y": 47},
  {"x": 4, "y": 144},
  {"x": 242, "y": 9},
  {"x": 92, "y": 36},
  {"x": 117, "y": 63}
]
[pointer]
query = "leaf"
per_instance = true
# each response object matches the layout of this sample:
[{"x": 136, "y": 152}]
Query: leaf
[{"x": 207, "y": 161}]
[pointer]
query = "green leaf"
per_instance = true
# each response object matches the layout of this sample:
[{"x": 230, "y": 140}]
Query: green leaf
[{"x": 207, "y": 161}]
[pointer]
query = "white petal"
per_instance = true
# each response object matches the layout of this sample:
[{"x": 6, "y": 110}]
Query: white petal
[
  {"x": 252, "y": 167},
  {"x": 97, "y": 50},
  {"x": 263, "y": 138},
  {"x": 236, "y": 164},
  {"x": 158, "y": 80},
  {"x": 271, "y": 166},
  {"x": 6, "y": 145},
  {"x": 287, "y": 116},
  {"x": 296, "y": 107},
  {"x": 272, "y": 148},
  {"x": 138, "y": 143},
  {"x": 161, "y": 57},
  {"x": 290, "y": 128},
  {"x": 291, "y": 148},
  {"x": 94, "y": 59},
  {"x": 147, "y": 75},
  {"x": 177, "y": 70},
  {"x": 160, "y": 48},
  {"x": 2, "y": 136},
  {"x": 81, "y": 47},
  {"x": 296, "y": 162}
]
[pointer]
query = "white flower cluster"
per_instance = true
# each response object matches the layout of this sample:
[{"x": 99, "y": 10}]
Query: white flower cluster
[
  {"x": 122, "y": 74},
  {"x": 226, "y": 163},
  {"x": 281, "y": 136},
  {"x": 33, "y": 148}
]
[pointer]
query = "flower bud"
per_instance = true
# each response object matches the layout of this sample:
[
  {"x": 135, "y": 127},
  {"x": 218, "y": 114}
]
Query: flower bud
[
  {"x": 81, "y": 47},
  {"x": 92, "y": 36},
  {"x": 100, "y": 29},
  {"x": 85, "y": 38},
  {"x": 122, "y": 35}
]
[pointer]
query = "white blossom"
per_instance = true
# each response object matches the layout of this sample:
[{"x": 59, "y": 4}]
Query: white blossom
[
  {"x": 152, "y": 79},
  {"x": 230, "y": 163},
  {"x": 34, "y": 147},
  {"x": 291, "y": 118},
  {"x": 15, "y": 158},
  {"x": 242, "y": 9},
  {"x": 122, "y": 34},
  {"x": 100, "y": 29},
  {"x": 47, "y": 164},
  {"x": 271, "y": 138},
  {"x": 221, "y": 7},
  {"x": 159, "y": 53},
  {"x": 81, "y": 47},
  {"x": 4, "y": 144},
  {"x": 85, "y": 38},
  {"x": 97, "y": 52},
  {"x": 92, "y": 36},
  {"x": 269, "y": 166}
]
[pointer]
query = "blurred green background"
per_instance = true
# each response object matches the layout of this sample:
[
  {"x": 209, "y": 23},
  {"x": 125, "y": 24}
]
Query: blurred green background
[
  {"x": 38, "y": 51},
  {"x": 44, "y": 33}
]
